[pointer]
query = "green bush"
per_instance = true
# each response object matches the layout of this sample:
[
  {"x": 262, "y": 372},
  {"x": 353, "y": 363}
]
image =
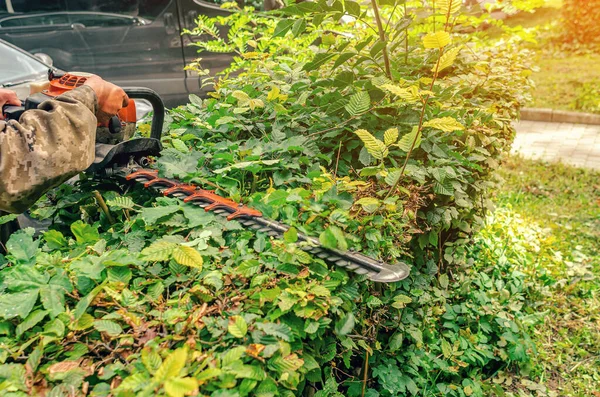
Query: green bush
[{"x": 391, "y": 157}]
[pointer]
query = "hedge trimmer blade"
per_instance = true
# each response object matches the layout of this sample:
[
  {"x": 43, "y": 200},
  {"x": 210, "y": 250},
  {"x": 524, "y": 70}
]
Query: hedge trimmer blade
[{"x": 375, "y": 270}]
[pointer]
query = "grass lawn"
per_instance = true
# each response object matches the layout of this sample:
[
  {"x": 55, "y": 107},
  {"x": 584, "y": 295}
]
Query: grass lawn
[
  {"x": 568, "y": 82},
  {"x": 565, "y": 80},
  {"x": 555, "y": 212}
]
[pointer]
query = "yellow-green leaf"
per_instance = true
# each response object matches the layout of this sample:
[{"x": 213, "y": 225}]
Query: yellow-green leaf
[
  {"x": 438, "y": 39},
  {"x": 158, "y": 251},
  {"x": 237, "y": 326},
  {"x": 446, "y": 124},
  {"x": 447, "y": 59},
  {"x": 410, "y": 94},
  {"x": 369, "y": 204},
  {"x": 256, "y": 103},
  {"x": 188, "y": 256},
  {"x": 179, "y": 387},
  {"x": 390, "y": 136},
  {"x": 400, "y": 301},
  {"x": 172, "y": 365},
  {"x": 241, "y": 96},
  {"x": 374, "y": 146},
  {"x": 151, "y": 360},
  {"x": 446, "y": 349},
  {"x": 448, "y": 7},
  {"x": 406, "y": 142}
]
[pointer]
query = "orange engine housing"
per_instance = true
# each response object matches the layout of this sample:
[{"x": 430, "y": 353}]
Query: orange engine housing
[{"x": 67, "y": 82}]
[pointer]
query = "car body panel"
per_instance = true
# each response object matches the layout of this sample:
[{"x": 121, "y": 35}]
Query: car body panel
[{"x": 128, "y": 42}]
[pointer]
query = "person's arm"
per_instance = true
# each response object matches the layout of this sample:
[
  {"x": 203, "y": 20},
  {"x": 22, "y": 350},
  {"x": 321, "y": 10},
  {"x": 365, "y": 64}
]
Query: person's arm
[{"x": 51, "y": 144}]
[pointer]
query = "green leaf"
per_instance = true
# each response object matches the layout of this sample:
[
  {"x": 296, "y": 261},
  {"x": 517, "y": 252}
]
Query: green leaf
[
  {"x": 352, "y": 8},
  {"x": 119, "y": 274},
  {"x": 153, "y": 214},
  {"x": 121, "y": 202},
  {"x": 407, "y": 140},
  {"x": 377, "y": 47},
  {"x": 328, "y": 239},
  {"x": 237, "y": 326},
  {"x": 4, "y": 219},
  {"x": 280, "y": 331},
  {"x": 446, "y": 124},
  {"x": 444, "y": 188},
  {"x": 84, "y": 233},
  {"x": 30, "y": 321},
  {"x": 374, "y": 146},
  {"x": 439, "y": 39},
  {"x": 21, "y": 247},
  {"x": 443, "y": 279},
  {"x": 345, "y": 325},
  {"x": 249, "y": 268},
  {"x": 179, "y": 145},
  {"x": 53, "y": 299},
  {"x": 55, "y": 239},
  {"x": 299, "y": 27},
  {"x": 318, "y": 61},
  {"x": 159, "y": 251},
  {"x": 172, "y": 366},
  {"x": 340, "y": 238},
  {"x": 17, "y": 304},
  {"x": 188, "y": 256},
  {"x": 84, "y": 302},
  {"x": 109, "y": 327},
  {"x": 179, "y": 387},
  {"x": 390, "y": 136},
  {"x": 345, "y": 56},
  {"x": 283, "y": 26},
  {"x": 291, "y": 235},
  {"x": 288, "y": 363},
  {"x": 359, "y": 103},
  {"x": 392, "y": 177}
]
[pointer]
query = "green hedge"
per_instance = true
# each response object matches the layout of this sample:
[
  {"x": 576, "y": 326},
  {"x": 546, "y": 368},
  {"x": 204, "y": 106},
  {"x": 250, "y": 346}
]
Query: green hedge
[{"x": 170, "y": 300}]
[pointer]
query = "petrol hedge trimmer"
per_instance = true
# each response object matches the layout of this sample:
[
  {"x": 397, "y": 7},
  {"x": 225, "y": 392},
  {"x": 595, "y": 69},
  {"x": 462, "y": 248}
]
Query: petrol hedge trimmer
[{"x": 120, "y": 155}]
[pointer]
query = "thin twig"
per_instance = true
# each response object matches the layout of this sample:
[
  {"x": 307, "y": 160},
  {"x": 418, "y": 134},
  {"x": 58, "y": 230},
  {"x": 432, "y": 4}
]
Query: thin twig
[
  {"x": 386, "y": 59},
  {"x": 364, "y": 386},
  {"x": 103, "y": 207},
  {"x": 337, "y": 161}
]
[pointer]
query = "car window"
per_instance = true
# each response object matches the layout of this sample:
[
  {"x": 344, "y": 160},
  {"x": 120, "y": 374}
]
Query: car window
[
  {"x": 147, "y": 9},
  {"x": 17, "y": 67},
  {"x": 36, "y": 20},
  {"x": 94, "y": 20}
]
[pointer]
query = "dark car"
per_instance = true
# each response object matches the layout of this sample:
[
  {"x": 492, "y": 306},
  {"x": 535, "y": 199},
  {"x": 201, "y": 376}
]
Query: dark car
[{"x": 129, "y": 42}]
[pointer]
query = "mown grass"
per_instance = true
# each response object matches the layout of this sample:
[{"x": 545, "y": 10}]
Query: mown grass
[
  {"x": 567, "y": 81},
  {"x": 567, "y": 78},
  {"x": 556, "y": 211}
]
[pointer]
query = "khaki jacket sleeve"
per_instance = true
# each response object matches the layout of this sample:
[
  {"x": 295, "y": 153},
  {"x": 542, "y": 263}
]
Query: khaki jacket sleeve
[{"x": 46, "y": 147}]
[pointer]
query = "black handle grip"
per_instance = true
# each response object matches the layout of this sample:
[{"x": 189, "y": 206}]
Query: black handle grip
[{"x": 158, "y": 107}]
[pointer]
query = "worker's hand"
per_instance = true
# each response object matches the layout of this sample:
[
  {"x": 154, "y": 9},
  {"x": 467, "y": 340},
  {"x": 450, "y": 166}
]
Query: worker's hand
[
  {"x": 110, "y": 98},
  {"x": 8, "y": 97}
]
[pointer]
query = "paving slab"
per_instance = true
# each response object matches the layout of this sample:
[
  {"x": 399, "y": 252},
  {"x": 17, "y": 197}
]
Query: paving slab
[{"x": 575, "y": 144}]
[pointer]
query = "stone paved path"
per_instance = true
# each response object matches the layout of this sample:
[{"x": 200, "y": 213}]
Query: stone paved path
[{"x": 575, "y": 144}]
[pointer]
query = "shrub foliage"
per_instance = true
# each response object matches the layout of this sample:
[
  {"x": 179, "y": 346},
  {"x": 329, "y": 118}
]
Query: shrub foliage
[
  {"x": 381, "y": 143},
  {"x": 580, "y": 22}
]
